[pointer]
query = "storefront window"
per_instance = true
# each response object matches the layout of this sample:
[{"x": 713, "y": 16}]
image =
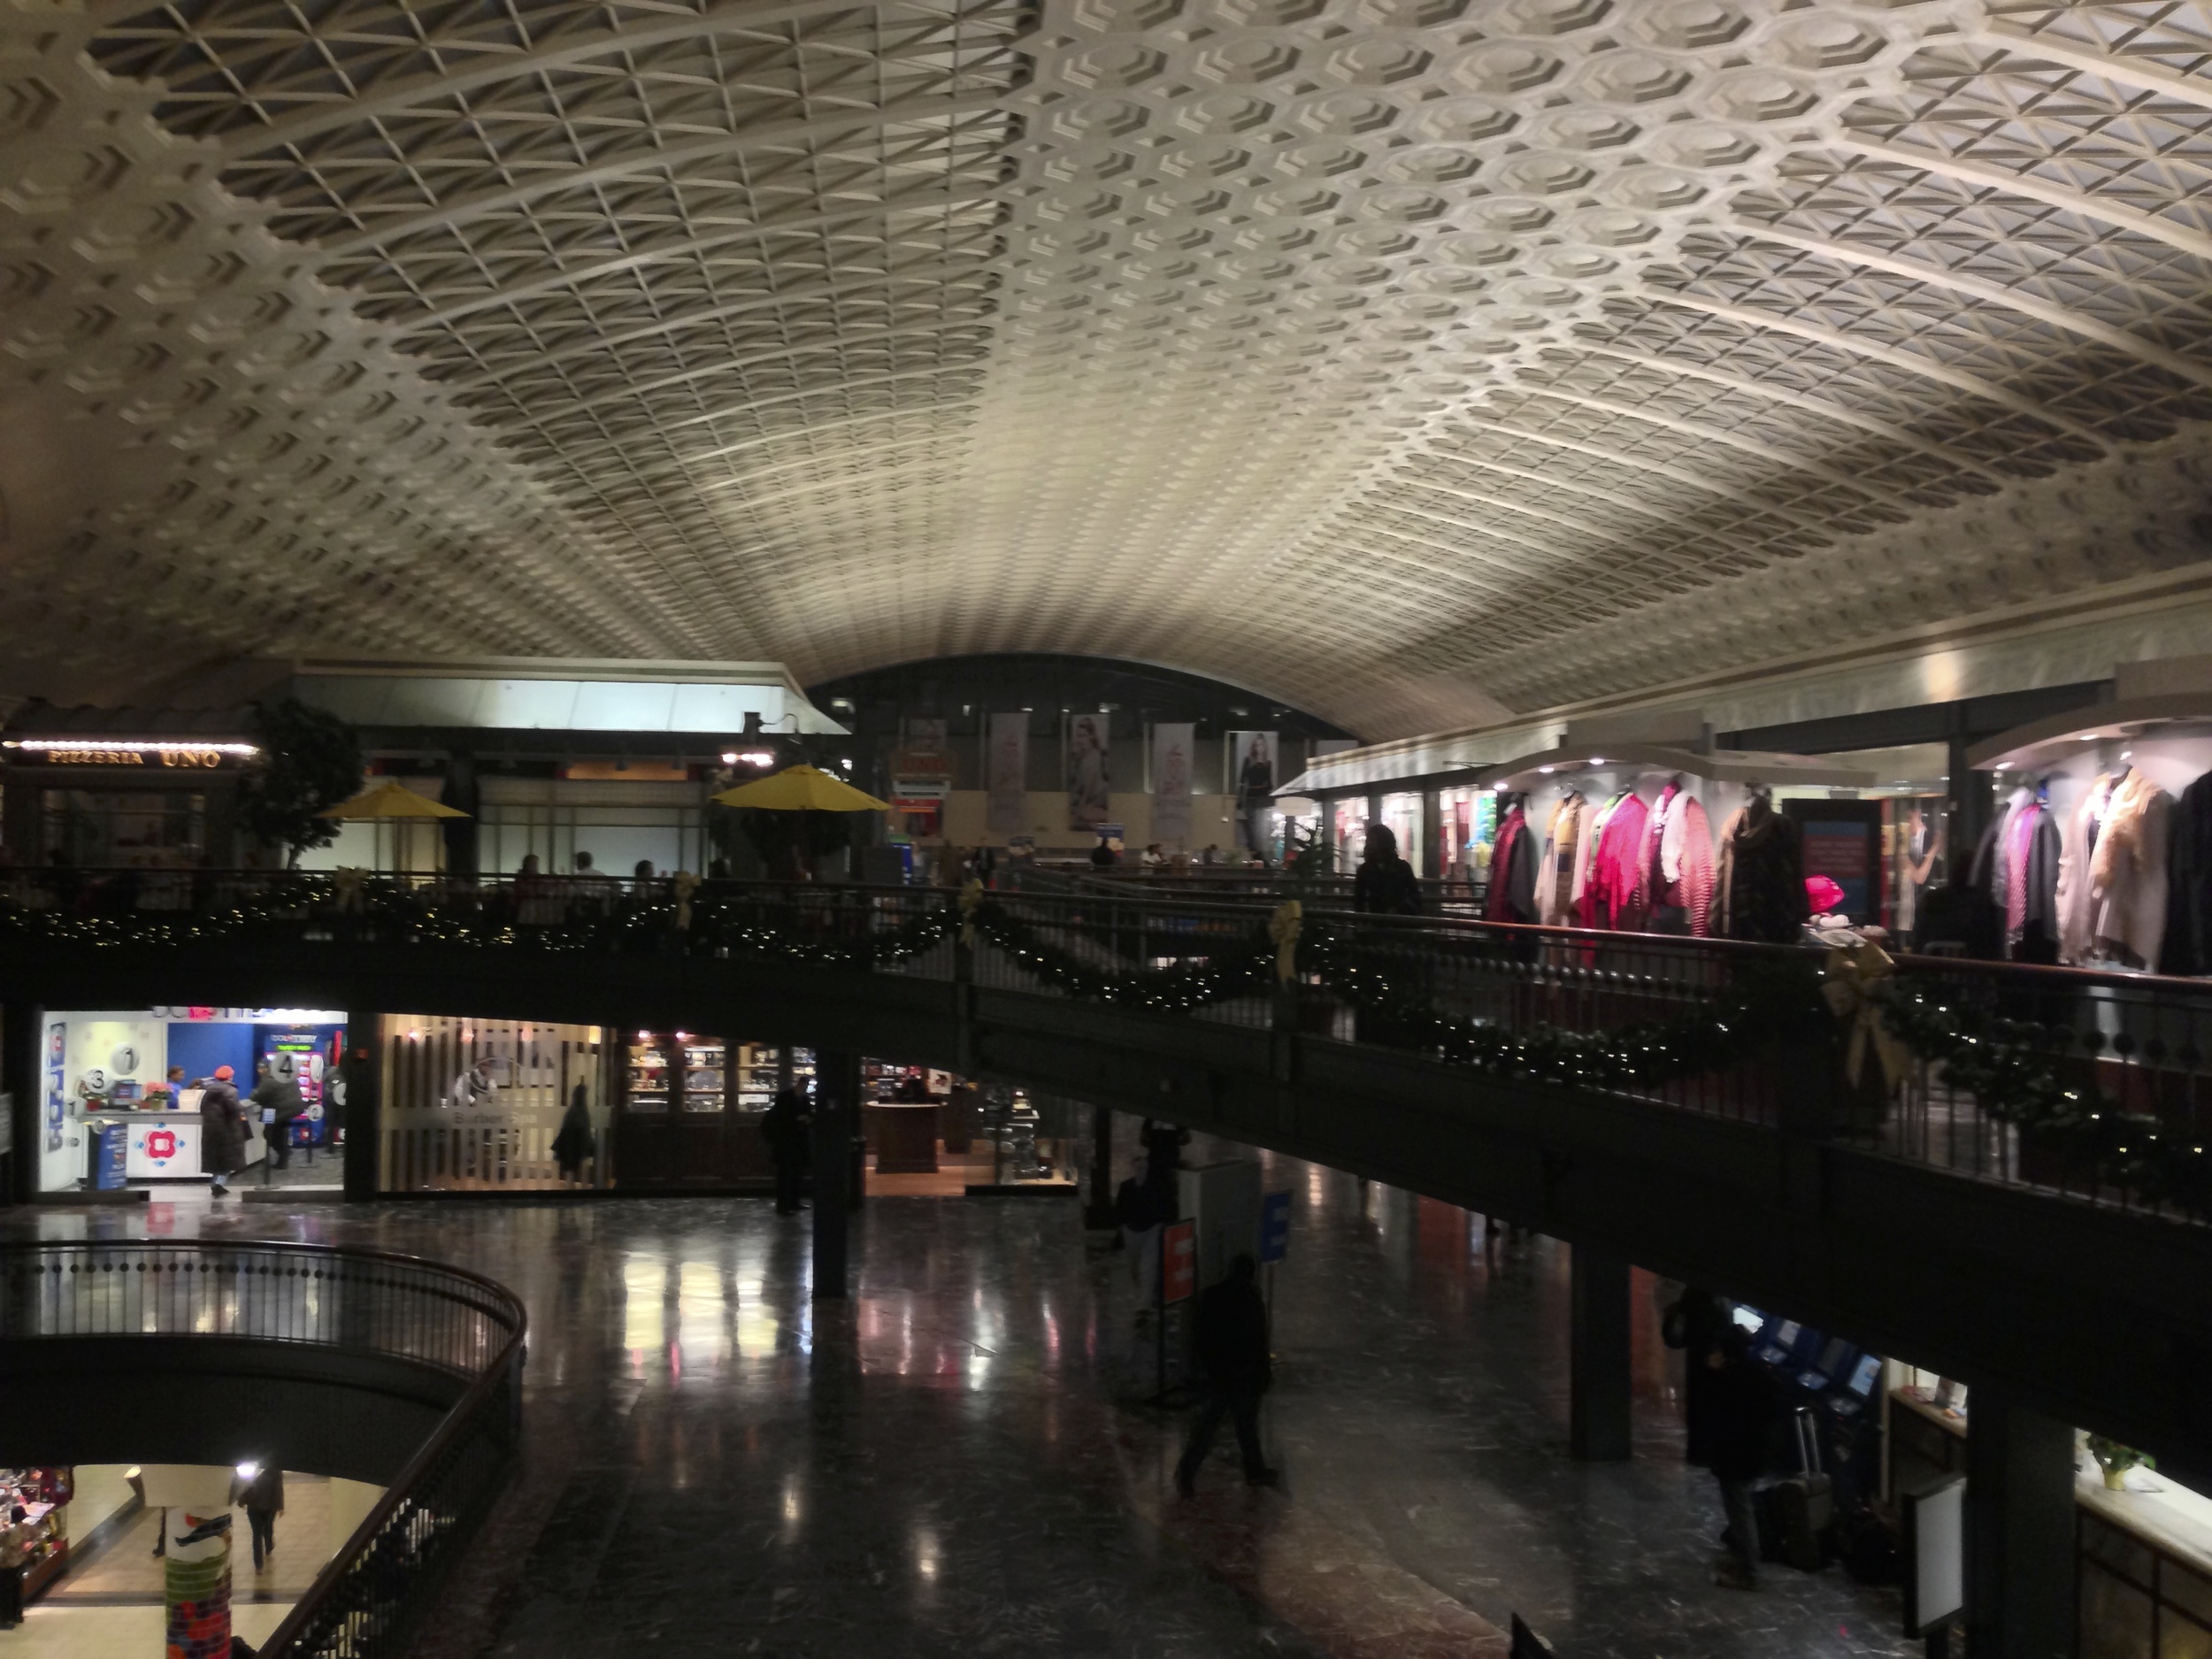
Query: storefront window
[
  {"x": 1351, "y": 832},
  {"x": 100, "y": 829},
  {"x": 483, "y": 1105},
  {"x": 621, "y": 824},
  {"x": 1401, "y": 816},
  {"x": 122, "y": 1093}
]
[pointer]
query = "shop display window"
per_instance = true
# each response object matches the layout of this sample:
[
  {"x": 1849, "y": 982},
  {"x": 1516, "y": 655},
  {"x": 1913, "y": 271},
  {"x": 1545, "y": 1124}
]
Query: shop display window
[
  {"x": 1350, "y": 831},
  {"x": 100, "y": 829},
  {"x": 1402, "y": 817},
  {"x": 706, "y": 1073},
  {"x": 472, "y": 1104}
]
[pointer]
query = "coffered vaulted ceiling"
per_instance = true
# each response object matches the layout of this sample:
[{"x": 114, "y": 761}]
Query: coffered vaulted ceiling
[{"x": 1399, "y": 358}]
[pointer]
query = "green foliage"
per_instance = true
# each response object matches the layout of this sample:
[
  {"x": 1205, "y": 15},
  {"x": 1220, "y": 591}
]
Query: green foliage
[
  {"x": 310, "y": 760},
  {"x": 2114, "y": 1458}
]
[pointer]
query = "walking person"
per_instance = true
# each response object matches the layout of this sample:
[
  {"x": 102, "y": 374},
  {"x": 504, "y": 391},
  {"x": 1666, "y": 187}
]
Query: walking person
[
  {"x": 279, "y": 1097},
  {"x": 1693, "y": 1323},
  {"x": 1740, "y": 1408},
  {"x": 222, "y": 1130},
  {"x": 1385, "y": 884},
  {"x": 264, "y": 1501},
  {"x": 788, "y": 1128},
  {"x": 1229, "y": 1333}
]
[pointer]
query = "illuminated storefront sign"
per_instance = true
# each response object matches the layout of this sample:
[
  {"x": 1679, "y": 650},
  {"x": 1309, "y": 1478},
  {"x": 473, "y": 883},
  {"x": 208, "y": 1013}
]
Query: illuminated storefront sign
[{"x": 176, "y": 757}]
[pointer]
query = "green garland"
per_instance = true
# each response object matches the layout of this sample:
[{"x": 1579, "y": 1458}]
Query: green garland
[
  {"x": 1244, "y": 967},
  {"x": 1744, "y": 1020},
  {"x": 2011, "y": 1069}
]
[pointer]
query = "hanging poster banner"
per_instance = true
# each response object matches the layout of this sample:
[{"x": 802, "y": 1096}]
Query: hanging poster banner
[
  {"x": 1172, "y": 749},
  {"x": 1252, "y": 780},
  {"x": 1089, "y": 779},
  {"x": 1006, "y": 774}
]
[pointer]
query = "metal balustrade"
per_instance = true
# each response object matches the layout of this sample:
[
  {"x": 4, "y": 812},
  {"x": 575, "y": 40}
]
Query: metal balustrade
[
  {"x": 1523, "y": 1001},
  {"x": 369, "y": 1599}
]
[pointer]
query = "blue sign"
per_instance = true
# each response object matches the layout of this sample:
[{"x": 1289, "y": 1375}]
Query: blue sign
[
  {"x": 1274, "y": 1227},
  {"x": 111, "y": 1145}
]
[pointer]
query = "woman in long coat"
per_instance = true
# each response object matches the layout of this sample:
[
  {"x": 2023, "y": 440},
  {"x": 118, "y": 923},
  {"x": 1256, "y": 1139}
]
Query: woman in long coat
[{"x": 222, "y": 1130}]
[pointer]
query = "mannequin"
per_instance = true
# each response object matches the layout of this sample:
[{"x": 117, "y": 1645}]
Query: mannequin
[
  {"x": 2129, "y": 873},
  {"x": 1512, "y": 894},
  {"x": 1761, "y": 883},
  {"x": 1679, "y": 863},
  {"x": 1563, "y": 860},
  {"x": 1615, "y": 893}
]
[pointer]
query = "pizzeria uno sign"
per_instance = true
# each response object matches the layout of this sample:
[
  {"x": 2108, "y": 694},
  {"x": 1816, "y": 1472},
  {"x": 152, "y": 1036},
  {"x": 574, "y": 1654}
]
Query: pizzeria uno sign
[{"x": 163, "y": 753}]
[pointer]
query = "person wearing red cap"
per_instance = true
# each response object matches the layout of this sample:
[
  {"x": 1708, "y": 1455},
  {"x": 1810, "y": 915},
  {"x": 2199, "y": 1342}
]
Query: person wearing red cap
[{"x": 222, "y": 1130}]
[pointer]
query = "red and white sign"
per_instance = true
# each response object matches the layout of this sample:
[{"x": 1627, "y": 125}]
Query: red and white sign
[{"x": 1178, "y": 1261}]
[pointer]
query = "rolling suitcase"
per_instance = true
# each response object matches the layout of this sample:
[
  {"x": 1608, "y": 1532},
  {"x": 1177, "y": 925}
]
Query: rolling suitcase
[{"x": 1804, "y": 1503}]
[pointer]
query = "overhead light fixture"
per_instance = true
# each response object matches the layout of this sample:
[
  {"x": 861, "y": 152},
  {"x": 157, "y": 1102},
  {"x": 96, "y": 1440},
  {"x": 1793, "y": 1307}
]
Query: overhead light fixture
[
  {"x": 110, "y": 746},
  {"x": 1597, "y": 760}
]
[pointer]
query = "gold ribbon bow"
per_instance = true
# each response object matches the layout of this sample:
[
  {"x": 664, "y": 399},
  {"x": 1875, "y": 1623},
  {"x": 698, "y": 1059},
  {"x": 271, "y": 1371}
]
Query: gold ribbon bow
[
  {"x": 1852, "y": 974},
  {"x": 347, "y": 883},
  {"x": 1283, "y": 928},
  {"x": 971, "y": 902},
  {"x": 683, "y": 884}
]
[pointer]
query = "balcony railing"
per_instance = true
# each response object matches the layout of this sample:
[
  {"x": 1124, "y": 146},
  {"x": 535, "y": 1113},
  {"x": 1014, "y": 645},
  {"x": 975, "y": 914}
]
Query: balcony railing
[
  {"x": 2093, "y": 1084},
  {"x": 368, "y": 1600}
]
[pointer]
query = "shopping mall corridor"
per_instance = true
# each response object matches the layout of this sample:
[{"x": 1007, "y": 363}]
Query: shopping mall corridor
[{"x": 950, "y": 1463}]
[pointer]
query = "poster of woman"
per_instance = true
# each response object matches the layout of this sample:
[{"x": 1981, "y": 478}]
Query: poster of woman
[
  {"x": 1088, "y": 780},
  {"x": 1171, "y": 748},
  {"x": 1006, "y": 774},
  {"x": 1252, "y": 776}
]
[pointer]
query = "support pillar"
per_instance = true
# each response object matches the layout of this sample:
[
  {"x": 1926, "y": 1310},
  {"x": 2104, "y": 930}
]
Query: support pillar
[
  {"x": 362, "y": 1069},
  {"x": 1972, "y": 797},
  {"x": 20, "y": 1079},
  {"x": 1598, "y": 1365},
  {"x": 1098, "y": 1216},
  {"x": 836, "y": 1117},
  {"x": 2020, "y": 1543}
]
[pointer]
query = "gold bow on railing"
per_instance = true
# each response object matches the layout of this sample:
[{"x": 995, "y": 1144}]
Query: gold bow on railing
[
  {"x": 1283, "y": 928},
  {"x": 971, "y": 902},
  {"x": 1853, "y": 974},
  {"x": 683, "y": 884},
  {"x": 347, "y": 883}
]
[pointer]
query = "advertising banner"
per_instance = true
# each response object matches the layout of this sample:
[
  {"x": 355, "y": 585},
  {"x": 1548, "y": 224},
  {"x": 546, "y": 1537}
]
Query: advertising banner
[
  {"x": 1252, "y": 780},
  {"x": 1006, "y": 774},
  {"x": 1089, "y": 781},
  {"x": 1172, "y": 749}
]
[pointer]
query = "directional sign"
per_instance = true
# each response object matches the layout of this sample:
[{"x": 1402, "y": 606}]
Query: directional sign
[{"x": 1274, "y": 1227}]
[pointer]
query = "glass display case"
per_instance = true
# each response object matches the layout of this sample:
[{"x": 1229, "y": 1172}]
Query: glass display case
[
  {"x": 649, "y": 1087},
  {"x": 706, "y": 1073}
]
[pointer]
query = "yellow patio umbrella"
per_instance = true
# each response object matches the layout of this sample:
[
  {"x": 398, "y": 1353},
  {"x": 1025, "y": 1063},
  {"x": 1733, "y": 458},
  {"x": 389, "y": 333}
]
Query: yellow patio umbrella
[
  {"x": 802, "y": 790},
  {"x": 392, "y": 802},
  {"x": 391, "y": 799}
]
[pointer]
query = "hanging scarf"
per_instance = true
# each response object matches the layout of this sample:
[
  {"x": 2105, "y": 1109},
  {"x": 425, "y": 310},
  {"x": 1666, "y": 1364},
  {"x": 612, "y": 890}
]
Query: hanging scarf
[{"x": 2019, "y": 837}]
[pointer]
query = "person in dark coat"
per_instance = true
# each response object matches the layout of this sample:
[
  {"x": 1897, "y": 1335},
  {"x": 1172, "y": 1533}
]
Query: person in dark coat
[
  {"x": 263, "y": 1501},
  {"x": 222, "y": 1130},
  {"x": 1229, "y": 1333},
  {"x": 1740, "y": 1406},
  {"x": 1385, "y": 884},
  {"x": 279, "y": 1096},
  {"x": 1694, "y": 1324},
  {"x": 575, "y": 1142},
  {"x": 788, "y": 1128}
]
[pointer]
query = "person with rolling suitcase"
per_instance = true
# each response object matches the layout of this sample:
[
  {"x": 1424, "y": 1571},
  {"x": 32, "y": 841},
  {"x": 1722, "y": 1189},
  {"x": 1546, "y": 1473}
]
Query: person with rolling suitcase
[{"x": 1739, "y": 1403}]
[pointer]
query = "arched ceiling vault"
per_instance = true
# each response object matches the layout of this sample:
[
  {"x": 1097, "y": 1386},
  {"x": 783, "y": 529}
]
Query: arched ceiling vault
[{"x": 1405, "y": 357}]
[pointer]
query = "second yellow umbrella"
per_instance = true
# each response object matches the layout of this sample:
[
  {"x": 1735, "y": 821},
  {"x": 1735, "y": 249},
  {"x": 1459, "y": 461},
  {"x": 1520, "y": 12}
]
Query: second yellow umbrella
[{"x": 801, "y": 789}]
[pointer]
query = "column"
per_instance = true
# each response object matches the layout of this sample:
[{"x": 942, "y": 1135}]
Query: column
[
  {"x": 1099, "y": 1214},
  {"x": 836, "y": 1115},
  {"x": 2020, "y": 1539},
  {"x": 1598, "y": 1363},
  {"x": 362, "y": 1117},
  {"x": 22, "y": 1078},
  {"x": 1972, "y": 797}
]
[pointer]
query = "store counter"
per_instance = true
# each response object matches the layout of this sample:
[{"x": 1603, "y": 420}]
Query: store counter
[
  {"x": 156, "y": 1146},
  {"x": 905, "y": 1133}
]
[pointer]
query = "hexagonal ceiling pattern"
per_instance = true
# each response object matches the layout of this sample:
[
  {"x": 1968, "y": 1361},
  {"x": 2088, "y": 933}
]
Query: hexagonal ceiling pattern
[{"x": 1406, "y": 360}]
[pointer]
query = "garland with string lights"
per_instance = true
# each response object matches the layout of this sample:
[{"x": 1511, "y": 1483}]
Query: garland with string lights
[
  {"x": 1749, "y": 1016},
  {"x": 1243, "y": 967},
  {"x": 2012, "y": 1069}
]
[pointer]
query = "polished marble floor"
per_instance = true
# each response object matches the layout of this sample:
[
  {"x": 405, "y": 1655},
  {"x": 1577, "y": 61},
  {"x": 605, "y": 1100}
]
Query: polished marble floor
[{"x": 951, "y": 1464}]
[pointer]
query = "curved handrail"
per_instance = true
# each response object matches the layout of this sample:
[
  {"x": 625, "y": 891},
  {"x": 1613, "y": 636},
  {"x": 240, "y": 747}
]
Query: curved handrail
[{"x": 355, "y": 1608}]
